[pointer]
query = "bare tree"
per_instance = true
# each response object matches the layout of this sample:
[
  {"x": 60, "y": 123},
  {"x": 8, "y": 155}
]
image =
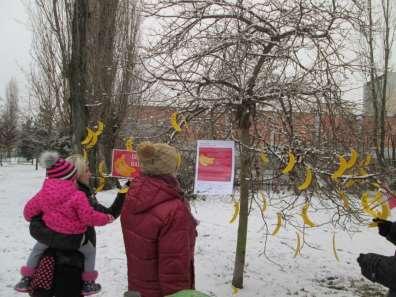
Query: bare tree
[
  {"x": 377, "y": 27},
  {"x": 9, "y": 118},
  {"x": 246, "y": 57},
  {"x": 86, "y": 64}
]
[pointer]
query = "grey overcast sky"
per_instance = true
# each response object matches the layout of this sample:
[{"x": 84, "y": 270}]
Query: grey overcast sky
[{"x": 15, "y": 41}]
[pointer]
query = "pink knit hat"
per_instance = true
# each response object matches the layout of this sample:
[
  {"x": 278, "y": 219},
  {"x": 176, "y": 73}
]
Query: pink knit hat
[{"x": 57, "y": 167}]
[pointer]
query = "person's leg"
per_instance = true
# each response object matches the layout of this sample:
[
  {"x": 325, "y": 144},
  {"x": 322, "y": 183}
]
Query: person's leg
[
  {"x": 89, "y": 275},
  {"x": 35, "y": 255},
  {"x": 28, "y": 270},
  {"x": 89, "y": 252}
]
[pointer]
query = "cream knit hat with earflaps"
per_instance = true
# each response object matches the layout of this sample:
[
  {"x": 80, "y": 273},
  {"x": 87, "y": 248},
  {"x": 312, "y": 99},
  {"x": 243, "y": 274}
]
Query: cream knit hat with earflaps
[{"x": 158, "y": 158}]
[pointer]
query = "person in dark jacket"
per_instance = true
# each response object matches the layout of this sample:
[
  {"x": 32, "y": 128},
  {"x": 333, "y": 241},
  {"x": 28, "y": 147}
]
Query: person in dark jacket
[
  {"x": 158, "y": 227},
  {"x": 62, "y": 242},
  {"x": 379, "y": 268}
]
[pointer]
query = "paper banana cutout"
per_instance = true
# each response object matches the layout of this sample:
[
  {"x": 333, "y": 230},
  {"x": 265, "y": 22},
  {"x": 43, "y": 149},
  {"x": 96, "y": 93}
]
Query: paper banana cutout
[
  {"x": 174, "y": 123},
  {"x": 264, "y": 159},
  {"x": 297, "y": 251},
  {"x": 123, "y": 167},
  {"x": 102, "y": 180},
  {"x": 308, "y": 180},
  {"x": 344, "y": 200},
  {"x": 278, "y": 224},
  {"x": 367, "y": 205},
  {"x": 265, "y": 203},
  {"x": 290, "y": 164},
  {"x": 100, "y": 128},
  {"x": 236, "y": 212},
  {"x": 334, "y": 249},
  {"x": 367, "y": 160},
  {"x": 123, "y": 190},
  {"x": 350, "y": 183},
  {"x": 352, "y": 161},
  {"x": 234, "y": 290},
  {"x": 341, "y": 168},
  {"x": 85, "y": 155},
  {"x": 89, "y": 138},
  {"x": 205, "y": 160},
  {"x": 129, "y": 144},
  {"x": 101, "y": 184},
  {"x": 304, "y": 213}
]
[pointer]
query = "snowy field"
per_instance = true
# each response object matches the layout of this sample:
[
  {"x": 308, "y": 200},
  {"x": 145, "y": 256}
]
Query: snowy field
[{"x": 315, "y": 273}]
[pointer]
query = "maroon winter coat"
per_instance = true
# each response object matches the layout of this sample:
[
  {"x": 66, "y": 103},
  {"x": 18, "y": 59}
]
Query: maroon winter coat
[{"x": 159, "y": 235}]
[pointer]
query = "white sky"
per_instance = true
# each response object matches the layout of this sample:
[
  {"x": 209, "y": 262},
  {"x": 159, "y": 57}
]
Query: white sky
[{"x": 15, "y": 41}]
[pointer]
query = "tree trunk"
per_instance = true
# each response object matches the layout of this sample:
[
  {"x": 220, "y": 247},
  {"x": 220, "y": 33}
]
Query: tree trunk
[
  {"x": 78, "y": 74},
  {"x": 240, "y": 254}
]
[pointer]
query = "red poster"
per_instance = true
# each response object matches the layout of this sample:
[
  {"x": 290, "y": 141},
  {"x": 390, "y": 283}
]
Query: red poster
[
  {"x": 124, "y": 164},
  {"x": 215, "y": 164}
]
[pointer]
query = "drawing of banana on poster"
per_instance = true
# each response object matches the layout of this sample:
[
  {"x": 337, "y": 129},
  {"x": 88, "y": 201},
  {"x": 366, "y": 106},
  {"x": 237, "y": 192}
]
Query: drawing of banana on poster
[{"x": 124, "y": 164}]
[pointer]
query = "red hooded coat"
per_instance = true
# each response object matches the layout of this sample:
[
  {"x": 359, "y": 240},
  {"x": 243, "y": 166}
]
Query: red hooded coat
[{"x": 159, "y": 235}]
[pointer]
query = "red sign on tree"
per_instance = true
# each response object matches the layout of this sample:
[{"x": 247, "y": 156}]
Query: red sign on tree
[
  {"x": 124, "y": 164},
  {"x": 215, "y": 164}
]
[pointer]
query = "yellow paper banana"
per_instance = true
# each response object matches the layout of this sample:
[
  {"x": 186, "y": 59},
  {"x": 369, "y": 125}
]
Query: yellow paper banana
[
  {"x": 100, "y": 128},
  {"x": 352, "y": 161},
  {"x": 205, "y": 160},
  {"x": 236, "y": 212},
  {"x": 264, "y": 159},
  {"x": 350, "y": 183},
  {"x": 278, "y": 224},
  {"x": 344, "y": 200},
  {"x": 306, "y": 218},
  {"x": 234, "y": 290},
  {"x": 290, "y": 164},
  {"x": 129, "y": 144},
  {"x": 85, "y": 155},
  {"x": 265, "y": 203},
  {"x": 334, "y": 249},
  {"x": 123, "y": 190},
  {"x": 308, "y": 180},
  {"x": 366, "y": 205},
  {"x": 88, "y": 138},
  {"x": 174, "y": 123},
  {"x": 101, "y": 184},
  {"x": 297, "y": 251},
  {"x": 341, "y": 168},
  {"x": 93, "y": 141},
  {"x": 101, "y": 168},
  {"x": 367, "y": 160}
]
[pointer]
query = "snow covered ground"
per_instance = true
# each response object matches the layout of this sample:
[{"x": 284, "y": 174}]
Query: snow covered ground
[{"x": 315, "y": 273}]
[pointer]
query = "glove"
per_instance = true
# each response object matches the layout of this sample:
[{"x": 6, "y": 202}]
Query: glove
[
  {"x": 368, "y": 264},
  {"x": 111, "y": 218},
  {"x": 384, "y": 226},
  {"x": 128, "y": 183}
]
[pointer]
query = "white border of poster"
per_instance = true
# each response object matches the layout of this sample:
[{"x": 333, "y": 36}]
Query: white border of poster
[{"x": 214, "y": 187}]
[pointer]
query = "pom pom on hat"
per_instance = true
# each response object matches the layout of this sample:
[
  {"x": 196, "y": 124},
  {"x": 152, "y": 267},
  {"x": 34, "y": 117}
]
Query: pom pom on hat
[
  {"x": 48, "y": 159},
  {"x": 57, "y": 167}
]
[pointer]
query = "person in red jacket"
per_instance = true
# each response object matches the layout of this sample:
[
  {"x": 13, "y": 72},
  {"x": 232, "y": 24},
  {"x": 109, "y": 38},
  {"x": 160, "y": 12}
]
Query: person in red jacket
[{"x": 158, "y": 227}]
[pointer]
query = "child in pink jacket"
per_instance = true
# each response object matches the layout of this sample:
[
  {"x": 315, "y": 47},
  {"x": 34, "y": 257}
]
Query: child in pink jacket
[{"x": 65, "y": 210}]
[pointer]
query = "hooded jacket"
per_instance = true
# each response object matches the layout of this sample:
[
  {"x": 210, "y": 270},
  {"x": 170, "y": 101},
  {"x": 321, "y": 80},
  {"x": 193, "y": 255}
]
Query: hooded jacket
[{"x": 159, "y": 235}]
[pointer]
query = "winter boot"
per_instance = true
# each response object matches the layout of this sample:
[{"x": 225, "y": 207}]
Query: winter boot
[
  {"x": 89, "y": 286},
  {"x": 23, "y": 285}
]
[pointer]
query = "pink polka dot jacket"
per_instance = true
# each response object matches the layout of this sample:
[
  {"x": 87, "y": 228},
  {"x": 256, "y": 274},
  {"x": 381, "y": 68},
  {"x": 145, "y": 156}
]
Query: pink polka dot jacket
[{"x": 65, "y": 209}]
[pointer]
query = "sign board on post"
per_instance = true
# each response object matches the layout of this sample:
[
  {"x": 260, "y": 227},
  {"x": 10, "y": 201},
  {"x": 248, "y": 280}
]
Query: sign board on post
[
  {"x": 214, "y": 169},
  {"x": 124, "y": 164}
]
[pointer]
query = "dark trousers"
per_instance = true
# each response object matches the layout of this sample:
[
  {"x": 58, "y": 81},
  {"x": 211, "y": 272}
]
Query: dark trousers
[{"x": 391, "y": 293}]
